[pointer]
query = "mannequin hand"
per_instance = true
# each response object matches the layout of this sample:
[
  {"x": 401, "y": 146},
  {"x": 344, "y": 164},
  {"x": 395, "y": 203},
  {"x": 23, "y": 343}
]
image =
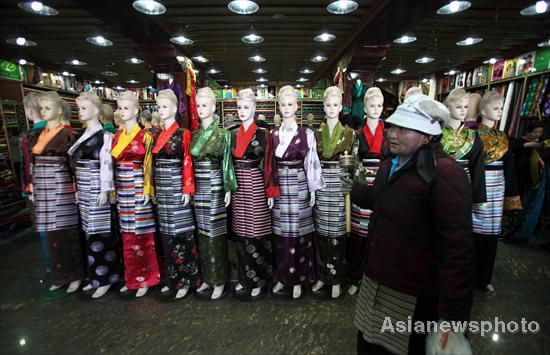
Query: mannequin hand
[
  {"x": 311, "y": 199},
  {"x": 270, "y": 202},
  {"x": 31, "y": 197},
  {"x": 227, "y": 198},
  {"x": 146, "y": 199},
  {"x": 186, "y": 198},
  {"x": 345, "y": 183},
  {"x": 76, "y": 197},
  {"x": 102, "y": 199}
]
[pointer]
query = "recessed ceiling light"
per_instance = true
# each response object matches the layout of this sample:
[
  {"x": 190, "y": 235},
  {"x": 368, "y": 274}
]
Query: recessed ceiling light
[
  {"x": 132, "y": 81},
  {"x": 469, "y": 41},
  {"x": 252, "y": 38},
  {"x": 37, "y": 8},
  {"x": 342, "y": 7},
  {"x": 213, "y": 71},
  {"x": 200, "y": 59},
  {"x": 424, "y": 59},
  {"x": 76, "y": 61},
  {"x": 452, "y": 72},
  {"x": 262, "y": 80},
  {"x": 21, "y": 41},
  {"x": 163, "y": 76},
  {"x": 324, "y": 37},
  {"x": 302, "y": 80},
  {"x": 66, "y": 73},
  {"x": 22, "y": 61},
  {"x": 226, "y": 86},
  {"x": 179, "y": 37},
  {"x": 424, "y": 80},
  {"x": 299, "y": 86},
  {"x": 318, "y": 58},
  {"x": 99, "y": 40},
  {"x": 540, "y": 7},
  {"x": 454, "y": 7},
  {"x": 149, "y": 7},
  {"x": 256, "y": 58},
  {"x": 405, "y": 39},
  {"x": 398, "y": 71},
  {"x": 380, "y": 80},
  {"x": 44, "y": 74},
  {"x": 118, "y": 87},
  {"x": 109, "y": 73},
  {"x": 544, "y": 44},
  {"x": 243, "y": 7},
  {"x": 180, "y": 58},
  {"x": 259, "y": 71},
  {"x": 492, "y": 60},
  {"x": 133, "y": 60},
  {"x": 307, "y": 71},
  {"x": 98, "y": 82},
  {"x": 263, "y": 85}
]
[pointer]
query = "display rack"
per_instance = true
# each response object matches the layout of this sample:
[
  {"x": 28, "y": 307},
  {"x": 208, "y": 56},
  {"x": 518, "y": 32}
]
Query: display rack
[{"x": 13, "y": 122}]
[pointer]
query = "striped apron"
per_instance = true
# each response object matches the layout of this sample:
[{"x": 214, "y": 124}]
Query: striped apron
[
  {"x": 489, "y": 221},
  {"x": 104, "y": 267},
  {"x": 329, "y": 217},
  {"x": 293, "y": 226},
  {"x": 251, "y": 224},
  {"x": 211, "y": 222},
  {"x": 477, "y": 225},
  {"x": 176, "y": 225},
  {"x": 57, "y": 217},
  {"x": 360, "y": 217}
]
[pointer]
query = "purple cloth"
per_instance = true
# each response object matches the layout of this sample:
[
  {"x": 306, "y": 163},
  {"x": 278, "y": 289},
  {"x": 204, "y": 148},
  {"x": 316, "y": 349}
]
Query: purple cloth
[{"x": 294, "y": 258}]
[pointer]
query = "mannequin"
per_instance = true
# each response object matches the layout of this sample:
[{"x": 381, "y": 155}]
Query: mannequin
[
  {"x": 359, "y": 94},
  {"x": 502, "y": 191},
  {"x": 252, "y": 201},
  {"x": 464, "y": 145},
  {"x": 329, "y": 213},
  {"x": 146, "y": 120},
  {"x": 300, "y": 175},
  {"x": 473, "y": 111},
  {"x": 91, "y": 154},
  {"x": 134, "y": 168},
  {"x": 67, "y": 113},
  {"x": 57, "y": 217},
  {"x": 106, "y": 118},
  {"x": 174, "y": 185},
  {"x": 214, "y": 174},
  {"x": 371, "y": 149},
  {"x": 32, "y": 113}
]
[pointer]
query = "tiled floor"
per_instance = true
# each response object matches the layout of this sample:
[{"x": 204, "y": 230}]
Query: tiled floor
[{"x": 75, "y": 325}]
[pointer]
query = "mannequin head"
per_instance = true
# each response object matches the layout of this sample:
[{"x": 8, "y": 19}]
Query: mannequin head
[
  {"x": 246, "y": 105},
  {"x": 473, "y": 107},
  {"x": 457, "y": 104},
  {"x": 491, "y": 106},
  {"x": 332, "y": 102},
  {"x": 277, "y": 120},
  {"x": 51, "y": 106},
  {"x": 413, "y": 90},
  {"x": 32, "y": 108},
  {"x": 107, "y": 114},
  {"x": 128, "y": 106},
  {"x": 288, "y": 103},
  {"x": 67, "y": 113},
  {"x": 156, "y": 121},
  {"x": 374, "y": 103},
  {"x": 117, "y": 120},
  {"x": 167, "y": 105},
  {"x": 206, "y": 103},
  {"x": 89, "y": 106}
]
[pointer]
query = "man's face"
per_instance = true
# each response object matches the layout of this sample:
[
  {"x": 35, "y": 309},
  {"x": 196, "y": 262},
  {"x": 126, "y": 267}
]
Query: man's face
[{"x": 404, "y": 141}]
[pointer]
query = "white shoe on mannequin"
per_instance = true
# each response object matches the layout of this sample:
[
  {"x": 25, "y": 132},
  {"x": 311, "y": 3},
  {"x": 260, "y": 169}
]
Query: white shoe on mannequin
[
  {"x": 203, "y": 287},
  {"x": 165, "y": 289},
  {"x": 73, "y": 286},
  {"x": 218, "y": 291},
  {"x": 55, "y": 287},
  {"x": 101, "y": 291},
  {"x": 256, "y": 291},
  {"x": 317, "y": 286},
  {"x": 142, "y": 292},
  {"x": 278, "y": 287},
  {"x": 88, "y": 287},
  {"x": 352, "y": 290},
  {"x": 181, "y": 293},
  {"x": 335, "y": 291},
  {"x": 123, "y": 289},
  {"x": 296, "y": 291}
]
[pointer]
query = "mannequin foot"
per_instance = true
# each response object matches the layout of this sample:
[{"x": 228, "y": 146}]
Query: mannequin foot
[
  {"x": 55, "y": 287},
  {"x": 73, "y": 286},
  {"x": 335, "y": 291},
  {"x": 218, "y": 291},
  {"x": 296, "y": 291},
  {"x": 238, "y": 287},
  {"x": 88, "y": 287},
  {"x": 181, "y": 293},
  {"x": 317, "y": 286},
  {"x": 255, "y": 291},
  {"x": 278, "y": 287},
  {"x": 142, "y": 292},
  {"x": 123, "y": 289},
  {"x": 165, "y": 289},
  {"x": 101, "y": 291},
  {"x": 353, "y": 290},
  {"x": 203, "y": 287}
]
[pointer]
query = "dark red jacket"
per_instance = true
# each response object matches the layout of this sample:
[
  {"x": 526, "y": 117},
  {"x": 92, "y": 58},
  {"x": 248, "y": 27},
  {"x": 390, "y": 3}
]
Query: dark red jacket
[{"x": 420, "y": 234}]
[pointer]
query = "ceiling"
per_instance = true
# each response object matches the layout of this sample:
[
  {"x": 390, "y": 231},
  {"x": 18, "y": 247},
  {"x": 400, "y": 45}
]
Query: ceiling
[{"x": 288, "y": 28}]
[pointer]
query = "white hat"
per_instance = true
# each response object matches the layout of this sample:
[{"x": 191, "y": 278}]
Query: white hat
[{"x": 420, "y": 113}]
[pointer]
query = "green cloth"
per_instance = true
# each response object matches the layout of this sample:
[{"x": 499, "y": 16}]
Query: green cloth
[
  {"x": 214, "y": 261},
  {"x": 214, "y": 143},
  {"x": 342, "y": 140},
  {"x": 109, "y": 128},
  {"x": 330, "y": 142},
  {"x": 37, "y": 126}
]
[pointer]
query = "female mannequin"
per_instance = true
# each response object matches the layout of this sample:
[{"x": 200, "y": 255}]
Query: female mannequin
[
  {"x": 106, "y": 118},
  {"x": 214, "y": 172},
  {"x": 57, "y": 217},
  {"x": 134, "y": 168},
  {"x": 371, "y": 148},
  {"x": 174, "y": 185},
  {"x": 252, "y": 201},
  {"x": 502, "y": 191},
  {"x": 300, "y": 175},
  {"x": 91, "y": 154},
  {"x": 464, "y": 145},
  {"x": 473, "y": 111},
  {"x": 329, "y": 213}
]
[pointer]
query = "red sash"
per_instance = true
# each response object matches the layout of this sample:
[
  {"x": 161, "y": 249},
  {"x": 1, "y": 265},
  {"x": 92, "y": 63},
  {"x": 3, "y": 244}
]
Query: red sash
[
  {"x": 243, "y": 140},
  {"x": 374, "y": 141},
  {"x": 164, "y": 136}
]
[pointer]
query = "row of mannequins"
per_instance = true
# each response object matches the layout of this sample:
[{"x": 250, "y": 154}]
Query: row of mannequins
[{"x": 290, "y": 212}]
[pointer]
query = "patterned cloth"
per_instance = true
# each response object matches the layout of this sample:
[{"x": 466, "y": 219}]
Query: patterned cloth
[
  {"x": 104, "y": 264},
  {"x": 95, "y": 218},
  {"x": 489, "y": 220},
  {"x": 140, "y": 260},
  {"x": 294, "y": 259}
]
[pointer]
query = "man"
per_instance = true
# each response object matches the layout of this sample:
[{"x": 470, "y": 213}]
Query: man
[{"x": 419, "y": 260}]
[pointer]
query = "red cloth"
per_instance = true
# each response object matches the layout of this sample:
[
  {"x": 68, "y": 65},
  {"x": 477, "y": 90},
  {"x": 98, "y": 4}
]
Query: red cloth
[
  {"x": 165, "y": 134},
  {"x": 188, "y": 175},
  {"x": 374, "y": 141},
  {"x": 140, "y": 261},
  {"x": 243, "y": 140}
]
